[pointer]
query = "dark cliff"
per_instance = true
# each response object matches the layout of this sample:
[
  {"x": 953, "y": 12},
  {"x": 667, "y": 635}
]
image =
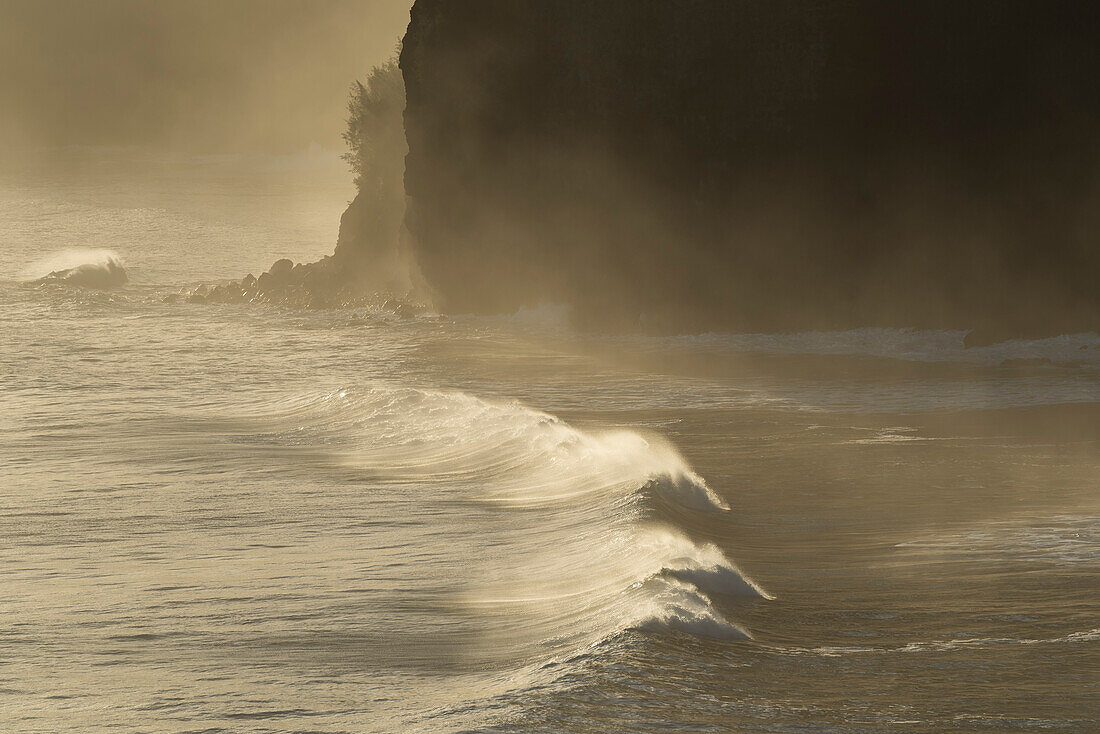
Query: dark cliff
[
  {"x": 371, "y": 264},
  {"x": 759, "y": 164}
]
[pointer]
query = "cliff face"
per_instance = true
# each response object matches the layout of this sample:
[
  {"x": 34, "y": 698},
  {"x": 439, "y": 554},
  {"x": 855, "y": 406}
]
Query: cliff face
[
  {"x": 758, "y": 164},
  {"x": 371, "y": 264}
]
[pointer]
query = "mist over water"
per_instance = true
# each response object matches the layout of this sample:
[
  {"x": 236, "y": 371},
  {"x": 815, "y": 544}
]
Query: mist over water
[
  {"x": 201, "y": 75},
  {"x": 238, "y": 517}
]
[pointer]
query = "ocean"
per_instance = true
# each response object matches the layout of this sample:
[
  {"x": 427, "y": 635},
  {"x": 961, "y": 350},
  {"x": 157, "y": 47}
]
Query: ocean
[{"x": 248, "y": 518}]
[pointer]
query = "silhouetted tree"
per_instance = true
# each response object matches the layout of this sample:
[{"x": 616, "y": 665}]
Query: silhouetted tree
[{"x": 375, "y": 134}]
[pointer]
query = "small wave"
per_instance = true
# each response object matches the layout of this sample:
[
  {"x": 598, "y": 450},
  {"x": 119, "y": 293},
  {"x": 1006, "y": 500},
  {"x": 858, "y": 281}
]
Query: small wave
[
  {"x": 926, "y": 646},
  {"x": 1058, "y": 540},
  {"x": 911, "y": 345},
  {"x": 719, "y": 577},
  {"x": 87, "y": 268},
  {"x": 686, "y": 488},
  {"x": 684, "y": 608},
  {"x": 943, "y": 645}
]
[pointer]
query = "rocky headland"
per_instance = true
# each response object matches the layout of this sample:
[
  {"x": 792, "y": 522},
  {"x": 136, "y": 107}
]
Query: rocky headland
[
  {"x": 746, "y": 165},
  {"x": 760, "y": 165}
]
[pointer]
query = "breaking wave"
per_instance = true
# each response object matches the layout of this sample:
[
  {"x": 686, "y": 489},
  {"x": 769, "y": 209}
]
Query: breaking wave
[
  {"x": 88, "y": 268},
  {"x": 573, "y": 532}
]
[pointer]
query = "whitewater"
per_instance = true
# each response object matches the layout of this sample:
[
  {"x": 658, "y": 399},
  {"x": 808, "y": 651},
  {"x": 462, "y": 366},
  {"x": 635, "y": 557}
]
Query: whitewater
[{"x": 247, "y": 518}]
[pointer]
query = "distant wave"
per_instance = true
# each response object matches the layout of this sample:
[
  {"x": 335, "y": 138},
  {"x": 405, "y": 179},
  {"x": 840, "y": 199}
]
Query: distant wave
[
  {"x": 1081, "y": 636},
  {"x": 584, "y": 545},
  {"x": 88, "y": 268},
  {"x": 1057, "y": 540},
  {"x": 913, "y": 345}
]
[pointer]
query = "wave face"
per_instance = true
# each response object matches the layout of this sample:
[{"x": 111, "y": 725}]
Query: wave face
[
  {"x": 581, "y": 543},
  {"x": 88, "y": 268}
]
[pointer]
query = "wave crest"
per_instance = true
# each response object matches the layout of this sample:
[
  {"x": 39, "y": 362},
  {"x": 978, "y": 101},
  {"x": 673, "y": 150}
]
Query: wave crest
[
  {"x": 585, "y": 532},
  {"x": 87, "y": 268}
]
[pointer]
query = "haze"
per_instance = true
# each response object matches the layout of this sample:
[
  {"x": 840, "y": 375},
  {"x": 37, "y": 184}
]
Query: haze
[
  {"x": 586, "y": 366},
  {"x": 190, "y": 74}
]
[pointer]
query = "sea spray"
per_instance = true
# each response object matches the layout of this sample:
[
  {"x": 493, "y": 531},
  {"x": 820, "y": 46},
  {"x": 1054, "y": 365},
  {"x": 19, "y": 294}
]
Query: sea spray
[
  {"x": 89, "y": 268},
  {"x": 582, "y": 544}
]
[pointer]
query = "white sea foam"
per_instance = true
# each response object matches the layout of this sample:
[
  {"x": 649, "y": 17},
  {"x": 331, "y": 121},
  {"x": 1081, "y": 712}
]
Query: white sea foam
[{"x": 934, "y": 646}]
